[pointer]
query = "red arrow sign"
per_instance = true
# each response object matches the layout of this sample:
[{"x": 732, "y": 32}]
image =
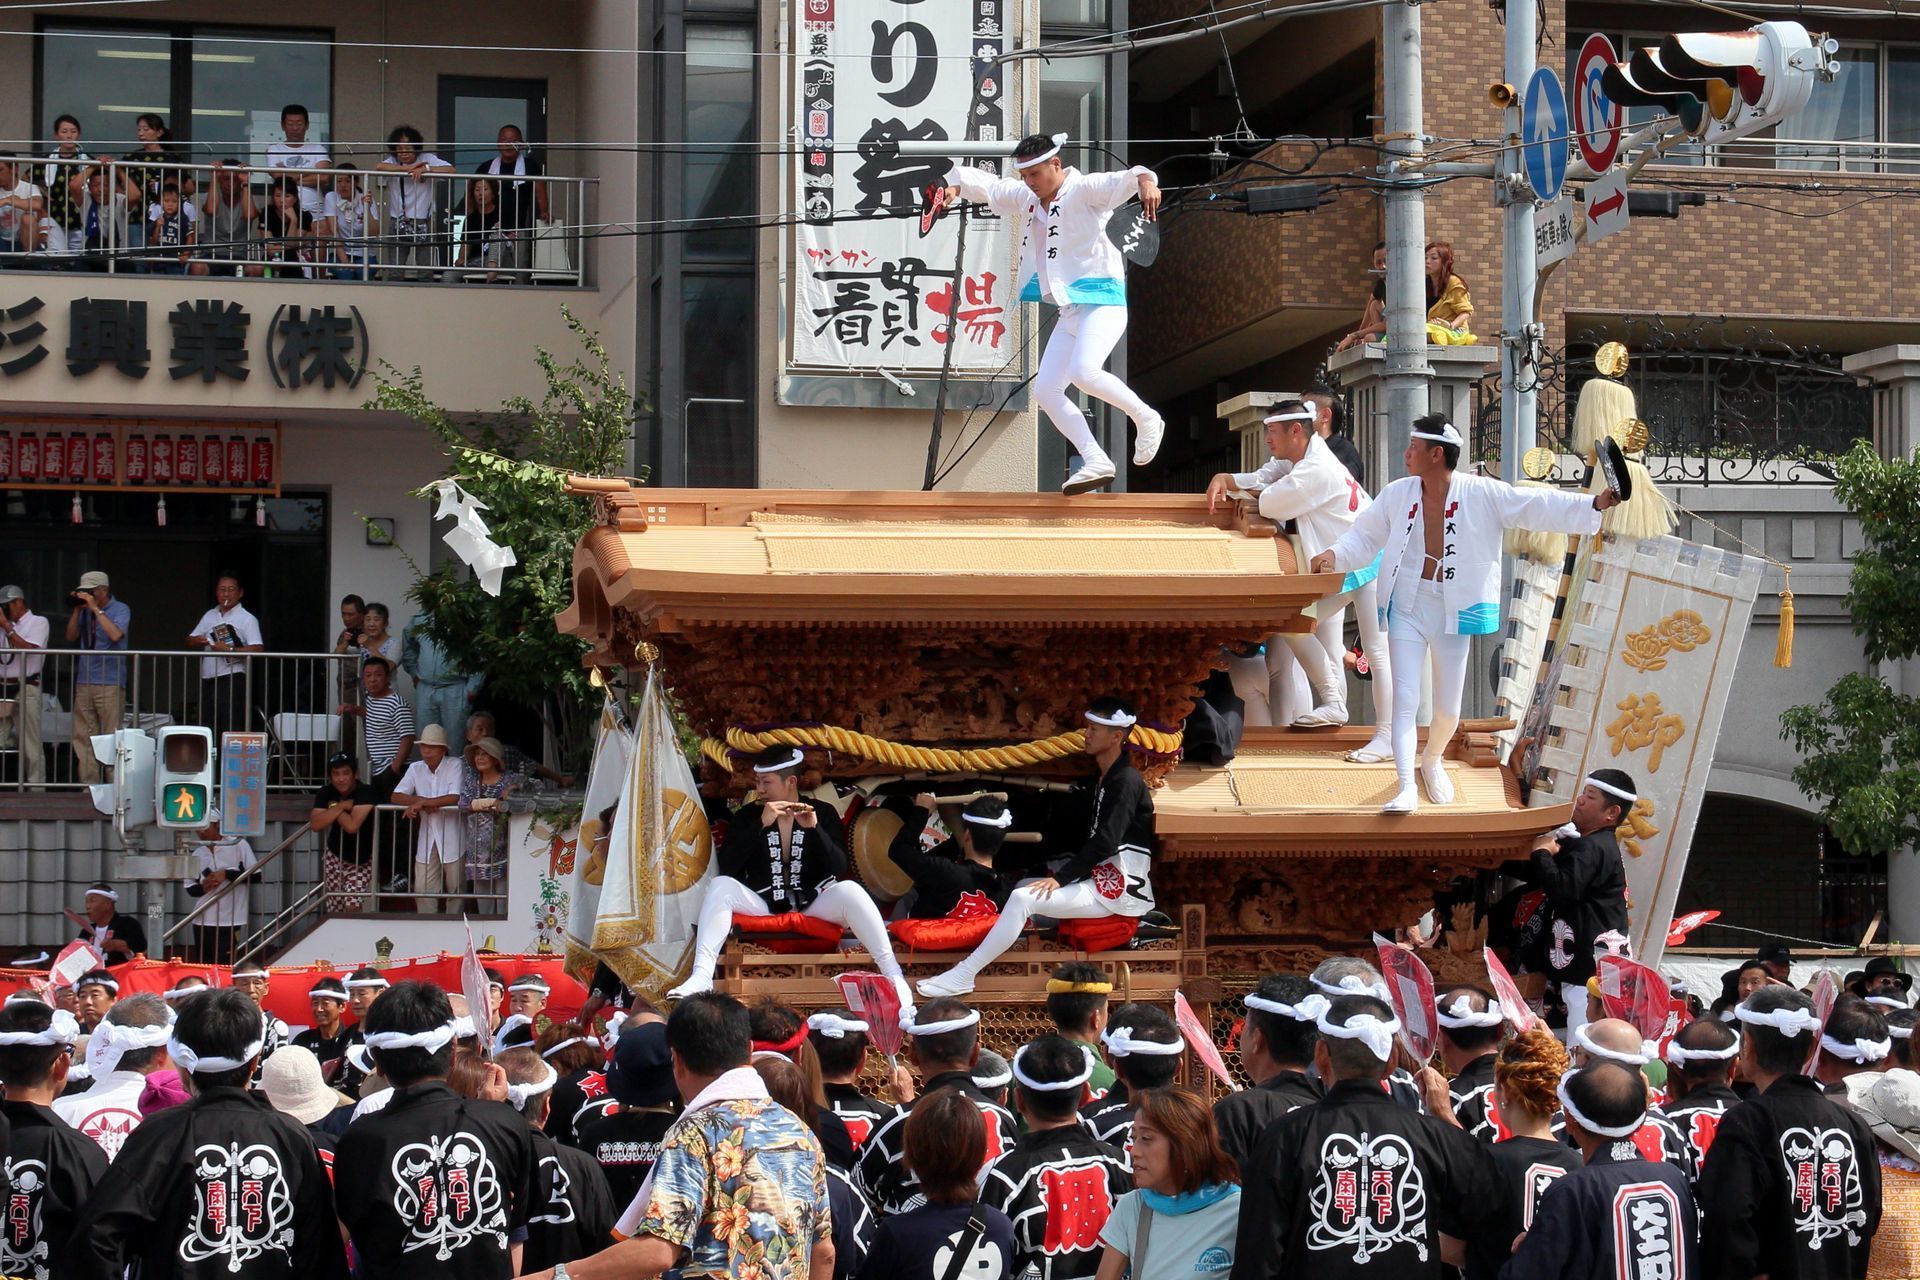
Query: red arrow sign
[{"x": 1601, "y": 208}]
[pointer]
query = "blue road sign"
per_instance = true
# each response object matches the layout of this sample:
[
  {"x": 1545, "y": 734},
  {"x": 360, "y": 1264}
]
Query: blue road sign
[
  {"x": 243, "y": 784},
  {"x": 1544, "y": 134}
]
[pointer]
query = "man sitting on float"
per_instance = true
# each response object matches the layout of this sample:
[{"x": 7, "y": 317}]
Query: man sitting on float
[
  {"x": 785, "y": 853},
  {"x": 955, "y": 880}
]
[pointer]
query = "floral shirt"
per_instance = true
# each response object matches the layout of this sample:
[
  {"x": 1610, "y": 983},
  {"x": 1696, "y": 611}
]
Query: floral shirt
[{"x": 741, "y": 1185}]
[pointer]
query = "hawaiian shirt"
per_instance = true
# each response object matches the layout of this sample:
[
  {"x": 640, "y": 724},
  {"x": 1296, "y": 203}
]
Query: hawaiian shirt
[{"x": 741, "y": 1185}]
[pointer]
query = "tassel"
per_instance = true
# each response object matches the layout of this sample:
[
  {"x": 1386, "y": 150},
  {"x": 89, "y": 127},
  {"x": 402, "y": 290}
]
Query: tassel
[
  {"x": 77, "y": 517},
  {"x": 160, "y": 514},
  {"x": 1547, "y": 548},
  {"x": 260, "y": 513},
  {"x": 1783, "y": 650}
]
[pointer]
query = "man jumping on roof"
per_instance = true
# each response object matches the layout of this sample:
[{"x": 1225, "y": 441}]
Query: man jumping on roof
[{"x": 1067, "y": 259}]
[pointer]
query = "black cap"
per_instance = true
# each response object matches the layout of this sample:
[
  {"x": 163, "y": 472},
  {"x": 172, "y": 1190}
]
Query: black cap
[
  {"x": 642, "y": 1070},
  {"x": 1774, "y": 953}
]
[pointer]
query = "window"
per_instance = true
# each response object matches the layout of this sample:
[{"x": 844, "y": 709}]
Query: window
[
  {"x": 719, "y": 380},
  {"x": 1846, "y": 109},
  {"x": 220, "y": 88},
  {"x": 719, "y": 112}
]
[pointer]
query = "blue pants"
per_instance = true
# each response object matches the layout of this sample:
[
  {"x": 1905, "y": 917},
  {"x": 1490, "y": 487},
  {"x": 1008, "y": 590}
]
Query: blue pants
[{"x": 444, "y": 705}]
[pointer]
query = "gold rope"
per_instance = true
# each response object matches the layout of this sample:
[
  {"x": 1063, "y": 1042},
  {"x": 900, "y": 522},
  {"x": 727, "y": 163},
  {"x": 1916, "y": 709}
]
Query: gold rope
[{"x": 904, "y": 755}]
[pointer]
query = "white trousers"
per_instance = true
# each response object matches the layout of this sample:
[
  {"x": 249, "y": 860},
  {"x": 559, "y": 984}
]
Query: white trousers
[
  {"x": 1076, "y": 355},
  {"x": 843, "y": 902},
  {"x": 1323, "y": 654},
  {"x": 1069, "y": 902},
  {"x": 1416, "y": 627}
]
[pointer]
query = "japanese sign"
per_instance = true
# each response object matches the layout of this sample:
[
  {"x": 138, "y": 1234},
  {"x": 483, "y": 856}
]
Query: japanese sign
[
  {"x": 157, "y": 457},
  {"x": 243, "y": 784},
  {"x": 1553, "y": 231},
  {"x": 869, "y": 292}
]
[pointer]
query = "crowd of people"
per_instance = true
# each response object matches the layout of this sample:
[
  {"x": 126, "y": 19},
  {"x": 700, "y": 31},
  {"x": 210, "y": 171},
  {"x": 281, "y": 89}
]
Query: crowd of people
[{"x": 306, "y": 213}]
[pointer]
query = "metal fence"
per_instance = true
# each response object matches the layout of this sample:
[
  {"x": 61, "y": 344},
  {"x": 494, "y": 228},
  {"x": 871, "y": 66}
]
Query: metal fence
[
  {"x": 136, "y": 216},
  {"x": 67, "y": 695}
]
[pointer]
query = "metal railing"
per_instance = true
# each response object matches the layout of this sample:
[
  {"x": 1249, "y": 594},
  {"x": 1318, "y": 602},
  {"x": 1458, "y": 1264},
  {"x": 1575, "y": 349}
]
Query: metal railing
[
  {"x": 295, "y": 698},
  {"x": 117, "y": 216}
]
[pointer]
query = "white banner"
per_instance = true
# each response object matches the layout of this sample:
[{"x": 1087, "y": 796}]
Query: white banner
[
  {"x": 868, "y": 291},
  {"x": 605, "y": 776}
]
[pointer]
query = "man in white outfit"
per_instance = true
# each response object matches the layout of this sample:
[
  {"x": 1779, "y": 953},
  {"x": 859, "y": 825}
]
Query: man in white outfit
[
  {"x": 1304, "y": 482},
  {"x": 1440, "y": 579},
  {"x": 1066, "y": 259}
]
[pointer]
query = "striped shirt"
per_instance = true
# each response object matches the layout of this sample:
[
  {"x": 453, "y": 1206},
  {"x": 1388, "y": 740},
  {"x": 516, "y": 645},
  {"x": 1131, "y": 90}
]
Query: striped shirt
[{"x": 389, "y": 719}]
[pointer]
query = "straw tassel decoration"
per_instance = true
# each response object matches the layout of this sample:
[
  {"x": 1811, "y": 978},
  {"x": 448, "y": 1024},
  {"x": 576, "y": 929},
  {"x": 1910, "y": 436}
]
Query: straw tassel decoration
[{"x": 1783, "y": 650}]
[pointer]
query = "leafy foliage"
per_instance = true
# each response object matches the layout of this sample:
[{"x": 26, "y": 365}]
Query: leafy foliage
[
  {"x": 1860, "y": 746},
  {"x": 516, "y": 462}
]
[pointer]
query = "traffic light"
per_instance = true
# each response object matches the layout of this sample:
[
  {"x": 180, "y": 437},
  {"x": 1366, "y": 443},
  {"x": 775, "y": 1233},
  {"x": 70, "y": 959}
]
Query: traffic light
[
  {"x": 128, "y": 799},
  {"x": 1725, "y": 85},
  {"x": 183, "y": 782}
]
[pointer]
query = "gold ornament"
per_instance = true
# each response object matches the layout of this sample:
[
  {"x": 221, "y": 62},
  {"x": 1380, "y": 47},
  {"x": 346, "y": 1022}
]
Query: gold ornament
[
  {"x": 1538, "y": 462},
  {"x": 1611, "y": 360},
  {"x": 1630, "y": 434}
]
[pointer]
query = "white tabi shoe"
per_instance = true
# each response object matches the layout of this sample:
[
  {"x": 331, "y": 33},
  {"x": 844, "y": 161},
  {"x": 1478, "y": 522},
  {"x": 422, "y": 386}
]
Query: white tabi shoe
[
  {"x": 691, "y": 987},
  {"x": 1146, "y": 439},
  {"x": 1408, "y": 801},
  {"x": 1439, "y": 785},
  {"x": 1377, "y": 751},
  {"x": 1321, "y": 718},
  {"x": 1090, "y": 476},
  {"x": 950, "y": 983}
]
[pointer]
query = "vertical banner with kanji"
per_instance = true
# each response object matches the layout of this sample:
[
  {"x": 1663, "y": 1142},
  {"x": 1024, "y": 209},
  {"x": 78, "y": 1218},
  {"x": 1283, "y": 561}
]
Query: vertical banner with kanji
[{"x": 868, "y": 291}]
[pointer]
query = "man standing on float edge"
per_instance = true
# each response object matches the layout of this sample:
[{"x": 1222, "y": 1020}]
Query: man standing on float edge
[
  {"x": 1067, "y": 259},
  {"x": 1439, "y": 583}
]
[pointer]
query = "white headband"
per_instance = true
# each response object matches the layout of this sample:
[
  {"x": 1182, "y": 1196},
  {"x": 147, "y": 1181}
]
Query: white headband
[
  {"x": 192, "y": 1063},
  {"x": 329, "y": 990},
  {"x": 569, "y": 1042},
  {"x": 1447, "y": 434},
  {"x": 63, "y": 1030},
  {"x": 176, "y": 993},
  {"x": 1376, "y": 1033},
  {"x": 1000, "y": 1081},
  {"x": 1900, "y": 1033},
  {"x": 1887, "y": 1002},
  {"x": 1002, "y": 822},
  {"x": 25, "y": 996},
  {"x": 1610, "y": 789},
  {"x": 833, "y": 1026},
  {"x": 914, "y": 1027},
  {"x": 532, "y": 982},
  {"x": 1122, "y": 1043},
  {"x": 1462, "y": 1015},
  {"x": 359, "y": 983},
  {"x": 512, "y": 1023},
  {"x": 519, "y": 1095},
  {"x": 1680, "y": 1057},
  {"x": 97, "y": 980},
  {"x": 1788, "y": 1022},
  {"x": 110, "y": 1040},
  {"x": 464, "y": 1027},
  {"x": 1053, "y": 1086},
  {"x": 1354, "y": 985},
  {"x": 793, "y": 761},
  {"x": 108, "y": 894},
  {"x": 1059, "y": 140},
  {"x": 1860, "y": 1051},
  {"x": 1583, "y": 1037},
  {"x": 431, "y": 1041},
  {"x": 1114, "y": 720},
  {"x": 1296, "y": 415},
  {"x": 769, "y": 1053},
  {"x": 1598, "y": 1130},
  {"x": 1309, "y": 1008}
]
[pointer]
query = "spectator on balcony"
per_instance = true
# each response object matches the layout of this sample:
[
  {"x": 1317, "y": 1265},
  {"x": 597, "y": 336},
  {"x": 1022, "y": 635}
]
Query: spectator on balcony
[
  {"x": 1449, "y": 306},
  {"x": 23, "y": 641},
  {"x": 21, "y": 207},
  {"x": 230, "y": 222},
  {"x": 290, "y": 239},
  {"x": 483, "y": 237},
  {"x": 220, "y": 859},
  {"x": 296, "y": 162},
  {"x": 482, "y": 725},
  {"x": 389, "y": 727},
  {"x": 341, "y": 810},
  {"x": 104, "y": 224},
  {"x": 411, "y": 202},
  {"x": 98, "y": 621},
  {"x": 63, "y": 179},
  {"x": 430, "y": 790},
  {"x": 171, "y": 234},
  {"x": 224, "y": 631},
  {"x": 1373, "y": 316},
  {"x": 442, "y": 693},
  {"x": 139, "y": 174},
  {"x": 485, "y": 785},
  {"x": 349, "y": 222},
  {"x": 375, "y": 639},
  {"x": 523, "y": 202}
]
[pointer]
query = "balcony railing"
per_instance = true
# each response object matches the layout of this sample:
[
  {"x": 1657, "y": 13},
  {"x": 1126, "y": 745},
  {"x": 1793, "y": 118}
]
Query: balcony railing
[{"x": 231, "y": 220}]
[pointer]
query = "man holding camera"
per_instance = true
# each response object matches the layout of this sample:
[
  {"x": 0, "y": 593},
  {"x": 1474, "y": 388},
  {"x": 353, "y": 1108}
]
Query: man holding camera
[
  {"x": 98, "y": 621},
  {"x": 221, "y": 860},
  {"x": 22, "y": 631}
]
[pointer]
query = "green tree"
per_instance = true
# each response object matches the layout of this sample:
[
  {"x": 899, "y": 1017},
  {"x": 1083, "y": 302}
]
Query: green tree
[
  {"x": 1860, "y": 746},
  {"x": 516, "y": 462}
]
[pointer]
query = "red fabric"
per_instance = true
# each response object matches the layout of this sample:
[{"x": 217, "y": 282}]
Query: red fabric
[
  {"x": 792, "y": 933},
  {"x": 944, "y": 934},
  {"x": 1104, "y": 933}
]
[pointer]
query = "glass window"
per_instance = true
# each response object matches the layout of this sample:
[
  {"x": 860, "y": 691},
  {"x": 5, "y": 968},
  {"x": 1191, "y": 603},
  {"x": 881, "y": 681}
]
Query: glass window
[
  {"x": 719, "y": 322},
  {"x": 1073, "y": 12},
  {"x": 719, "y": 111},
  {"x": 239, "y": 86},
  {"x": 1845, "y": 109},
  {"x": 1073, "y": 101},
  {"x": 104, "y": 78},
  {"x": 1903, "y": 95}
]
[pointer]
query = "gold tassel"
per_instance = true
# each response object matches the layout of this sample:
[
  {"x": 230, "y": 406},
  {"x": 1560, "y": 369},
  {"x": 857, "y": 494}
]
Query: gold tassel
[{"x": 1783, "y": 651}]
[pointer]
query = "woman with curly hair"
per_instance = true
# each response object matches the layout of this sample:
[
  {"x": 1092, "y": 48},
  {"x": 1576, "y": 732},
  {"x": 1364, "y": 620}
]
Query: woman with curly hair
[{"x": 1526, "y": 1155}]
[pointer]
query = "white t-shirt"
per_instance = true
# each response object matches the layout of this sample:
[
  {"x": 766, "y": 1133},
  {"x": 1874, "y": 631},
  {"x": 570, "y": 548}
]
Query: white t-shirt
[
  {"x": 245, "y": 626},
  {"x": 12, "y": 217},
  {"x": 413, "y": 197},
  {"x": 25, "y": 663},
  {"x": 231, "y": 855},
  {"x": 306, "y": 155},
  {"x": 350, "y": 219},
  {"x": 442, "y": 831}
]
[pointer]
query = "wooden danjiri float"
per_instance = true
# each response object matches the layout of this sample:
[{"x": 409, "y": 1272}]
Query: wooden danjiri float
[{"x": 928, "y": 641}]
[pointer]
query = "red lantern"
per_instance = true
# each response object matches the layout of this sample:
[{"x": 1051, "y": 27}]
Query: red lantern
[
  {"x": 79, "y": 456},
  {"x": 263, "y": 462},
  {"x": 53, "y": 457},
  {"x": 213, "y": 461},
  {"x": 186, "y": 460},
  {"x": 162, "y": 468},
  {"x": 237, "y": 461},
  {"x": 102, "y": 472},
  {"x": 136, "y": 459},
  {"x": 29, "y": 454},
  {"x": 6, "y": 455}
]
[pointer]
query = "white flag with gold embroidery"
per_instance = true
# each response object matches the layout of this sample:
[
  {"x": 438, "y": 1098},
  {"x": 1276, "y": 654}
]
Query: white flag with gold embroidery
[
  {"x": 659, "y": 859},
  {"x": 605, "y": 777}
]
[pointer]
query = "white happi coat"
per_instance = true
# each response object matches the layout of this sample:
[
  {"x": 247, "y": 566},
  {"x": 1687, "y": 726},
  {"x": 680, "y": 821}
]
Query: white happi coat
[
  {"x": 1479, "y": 510},
  {"x": 1063, "y": 240},
  {"x": 1320, "y": 496}
]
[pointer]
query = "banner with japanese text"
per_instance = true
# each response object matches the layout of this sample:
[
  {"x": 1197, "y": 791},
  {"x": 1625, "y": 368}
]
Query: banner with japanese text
[{"x": 869, "y": 292}]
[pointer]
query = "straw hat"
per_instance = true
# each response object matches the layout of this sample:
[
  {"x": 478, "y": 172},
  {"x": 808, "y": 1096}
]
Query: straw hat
[
  {"x": 493, "y": 748},
  {"x": 291, "y": 1080},
  {"x": 432, "y": 736}
]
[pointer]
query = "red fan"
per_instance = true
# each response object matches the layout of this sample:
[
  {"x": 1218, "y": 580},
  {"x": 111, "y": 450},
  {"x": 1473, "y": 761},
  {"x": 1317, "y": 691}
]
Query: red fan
[
  {"x": 1410, "y": 991},
  {"x": 1634, "y": 993},
  {"x": 1826, "y": 991},
  {"x": 874, "y": 1000},
  {"x": 934, "y": 202},
  {"x": 1200, "y": 1040},
  {"x": 1677, "y": 931},
  {"x": 1512, "y": 1003}
]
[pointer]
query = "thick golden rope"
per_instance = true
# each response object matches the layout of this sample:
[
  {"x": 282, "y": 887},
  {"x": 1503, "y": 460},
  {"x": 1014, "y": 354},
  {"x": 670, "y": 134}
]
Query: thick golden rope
[{"x": 902, "y": 755}]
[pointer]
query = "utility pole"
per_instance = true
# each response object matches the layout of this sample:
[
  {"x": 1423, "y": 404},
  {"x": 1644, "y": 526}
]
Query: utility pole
[
  {"x": 1519, "y": 406},
  {"x": 1407, "y": 373}
]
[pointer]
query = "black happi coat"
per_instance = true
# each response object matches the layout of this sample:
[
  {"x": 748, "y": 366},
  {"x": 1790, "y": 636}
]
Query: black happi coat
[
  {"x": 51, "y": 1171},
  {"x": 222, "y": 1186},
  {"x": 574, "y": 1213},
  {"x": 1111, "y": 1119},
  {"x": 625, "y": 1144},
  {"x": 790, "y": 878},
  {"x": 1696, "y": 1120},
  {"x": 943, "y": 877},
  {"x": 1359, "y": 1186},
  {"x": 1121, "y": 817},
  {"x": 881, "y": 1171},
  {"x": 1242, "y": 1117},
  {"x": 437, "y": 1182},
  {"x": 1586, "y": 888},
  {"x": 1058, "y": 1186},
  {"x": 1790, "y": 1188},
  {"x": 1622, "y": 1217},
  {"x": 1472, "y": 1095},
  {"x": 861, "y": 1113},
  {"x": 1524, "y": 1168}
]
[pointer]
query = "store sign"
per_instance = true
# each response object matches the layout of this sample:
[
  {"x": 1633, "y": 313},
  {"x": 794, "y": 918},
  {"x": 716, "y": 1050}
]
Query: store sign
[
  {"x": 869, "y": 291},
  {"x": 207, "y": 338},
  {"x": 171, "y": 457}
]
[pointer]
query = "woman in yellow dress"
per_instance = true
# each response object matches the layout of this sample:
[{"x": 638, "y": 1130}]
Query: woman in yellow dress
[{"x": 1449, "y": 306}]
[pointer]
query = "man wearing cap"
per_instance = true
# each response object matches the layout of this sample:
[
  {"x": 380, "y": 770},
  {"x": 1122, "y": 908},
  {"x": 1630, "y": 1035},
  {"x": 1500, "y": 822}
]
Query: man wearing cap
[
  {"x": 341, "y": 810},
  {"x": 129, "y": 1045},
  {"x": 1108, "y": 876},
  {"x": 626, "y": 1140},
  {"x": 23, "y": 639},
  {"x": 785, "y": 852},
  {"x": 224, "y": 1186},
  {"x": 1066, "y": 259},
  {"x": 1881, "y": 983},
  {"x": 1303, "y": 483},
  {"x": 430, "y": 789},
  {"x": 328, "y": 1037},
  {"x": 51, "y": 1168},
  {"x": 221, "y": 860},
  {"x": 97, "y": 622},
  {"x": 1619, "y": 1214},
  {"x": 1440, "y": 583},
  {"x": 572, "y": 1215},
  {"x": 119, "y": 936}
]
